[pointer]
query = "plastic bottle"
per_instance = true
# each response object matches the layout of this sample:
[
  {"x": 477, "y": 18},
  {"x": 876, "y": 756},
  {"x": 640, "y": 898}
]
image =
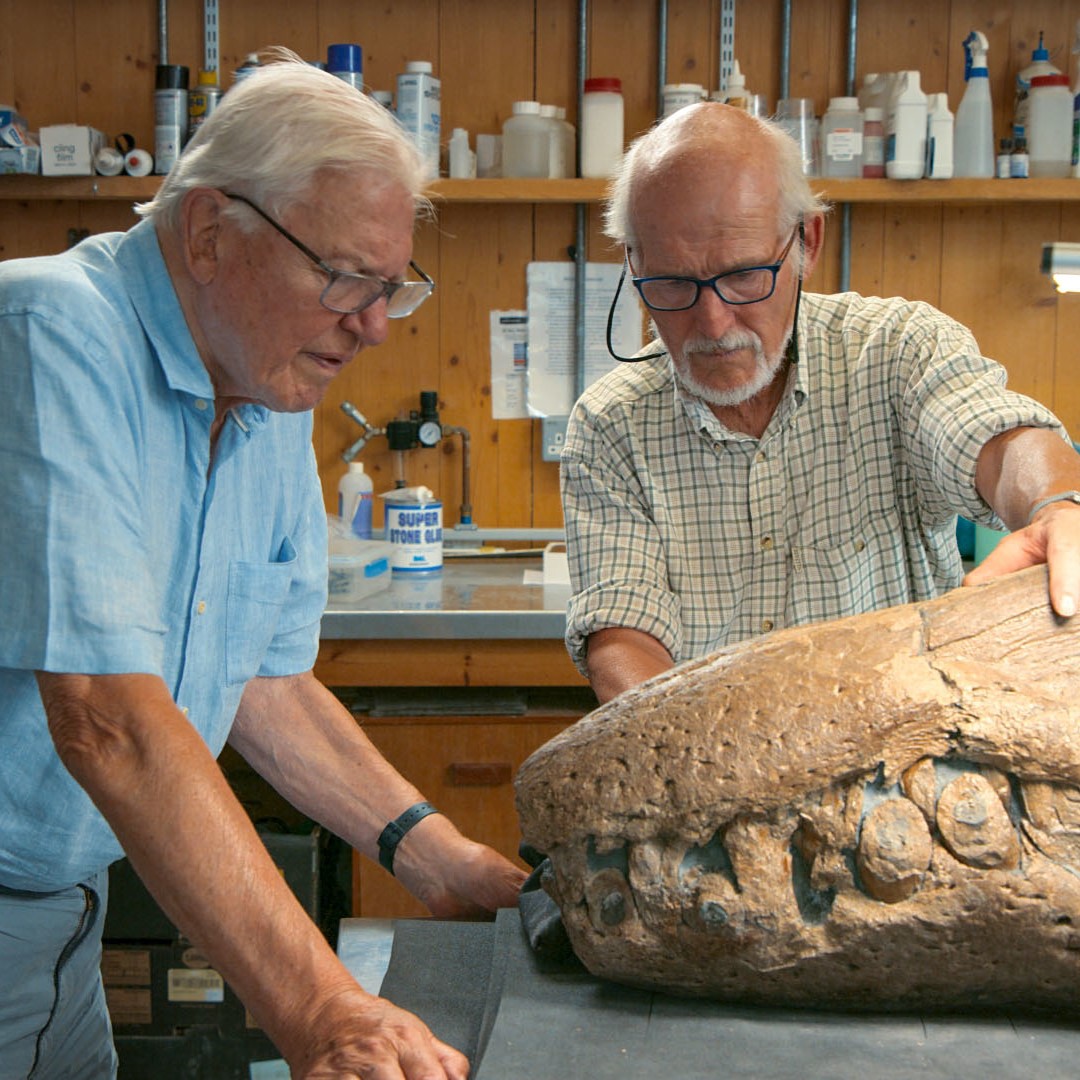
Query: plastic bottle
[
  {"x": 419, "y": 111},
  {"x": 203, "y": 100},
  {"x": 346, "y": 61},
  {"x": 939, "y": 138},
  {"x": 905, "y": 129},
  {"x": 1049, "y": 125},
  {"x": 461, "y": 159},
  {"x": 1040, "y": 65},
  {"x": 569, "y": 135},
  {"x": 873, "y": 143},
  {"x": 557, "y": 164},
  {"x": 841, "y": 138},
  {"x": 874, "y": 92},
  {"x": 737, "y": 95},
  {"x": 248, "y": 67},
  {"x": 356, "y": 499},
  {"x": 170, "y": 115},
  {"x": 1076, "y": 105},
  {"x": 602, "y": 136},
  {"x": 973, "y": 141},
  {"x": 796, "y": 117},
  {"x": 525, "y": 142}
]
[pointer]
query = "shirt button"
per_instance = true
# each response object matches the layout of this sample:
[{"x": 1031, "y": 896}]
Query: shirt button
[
  {"x": 184, "y": 710},
  {"x": 201, "y": 607},
  {"x": 200, "y": 405},
  {"x": 766, "y": 543},
  {"x": 766, "y": 625},
  {"x": 760, "y": 456},
  {"x": 860, "y": 545}
]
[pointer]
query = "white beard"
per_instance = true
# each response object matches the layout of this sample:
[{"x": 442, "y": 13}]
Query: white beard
[{"x": 766, "y": 367}]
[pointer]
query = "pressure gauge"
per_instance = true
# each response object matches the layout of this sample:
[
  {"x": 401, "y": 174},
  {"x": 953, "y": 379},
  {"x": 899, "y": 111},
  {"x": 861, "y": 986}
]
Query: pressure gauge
[{"x": 429, "y": 432}]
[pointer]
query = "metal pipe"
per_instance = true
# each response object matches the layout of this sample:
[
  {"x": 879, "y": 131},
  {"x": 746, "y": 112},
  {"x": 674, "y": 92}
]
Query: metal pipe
[
  {"x": 163, "y": 31},
  {"x": 785, "y": 50},
  {"x": 466, "y": 494},
  {"x": 579, "y": 217},
  {"x": 845, "y": 213},
  {"x": 661, "y": 56}
]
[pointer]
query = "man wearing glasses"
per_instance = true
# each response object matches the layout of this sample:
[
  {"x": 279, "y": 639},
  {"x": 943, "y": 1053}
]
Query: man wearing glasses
[
  {"x": 776, "y": 458},
  {"x": 164, "y": 577}
]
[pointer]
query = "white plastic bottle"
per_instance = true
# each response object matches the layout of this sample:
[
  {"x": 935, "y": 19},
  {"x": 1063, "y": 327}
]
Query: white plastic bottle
[
  {"x": 557, "y": 164},
  {"x": 973, "y": 139},
  {"x": 569, "y": 135},
  {"x": 939, "y": 138},
  {"x": 602, "y": 137},
  {"x": 1040, "y": 65},
  {"x": 678, "y": 95},
  {"x": 419, "y": 111},
  {"x": 841, "y": 138},
  {"x": 905, "y": 129},
  {"x": 461, "y": 160},
  {"x": 1049, "y": 125},
  {"x": 525, "y": 142},
  {"x": 356, "y": 499}
]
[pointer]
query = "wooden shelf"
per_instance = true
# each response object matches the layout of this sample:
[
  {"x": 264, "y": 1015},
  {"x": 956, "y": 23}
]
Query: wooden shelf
[{"x": 133, "y": 189}]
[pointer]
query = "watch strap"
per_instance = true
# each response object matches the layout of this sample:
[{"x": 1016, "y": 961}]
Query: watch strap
[
  {"x": 1063, "y": 496},
  {"x": 395, "y": 831}
]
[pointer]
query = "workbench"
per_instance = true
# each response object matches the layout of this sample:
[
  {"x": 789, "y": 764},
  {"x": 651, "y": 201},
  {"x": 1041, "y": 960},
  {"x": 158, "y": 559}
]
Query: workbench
[{"x": 481, "y": 988}]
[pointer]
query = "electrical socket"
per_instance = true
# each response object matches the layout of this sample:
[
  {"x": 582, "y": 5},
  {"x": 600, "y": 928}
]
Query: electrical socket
[{"x": 553, "y": 433}]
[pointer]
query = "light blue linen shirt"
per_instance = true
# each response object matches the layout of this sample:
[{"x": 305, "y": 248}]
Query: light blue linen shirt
[{"x": 123, "y": 548}]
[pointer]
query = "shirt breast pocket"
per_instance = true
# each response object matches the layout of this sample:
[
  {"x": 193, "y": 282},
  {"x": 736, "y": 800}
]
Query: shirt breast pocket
[{"x": 256, "y": 594}]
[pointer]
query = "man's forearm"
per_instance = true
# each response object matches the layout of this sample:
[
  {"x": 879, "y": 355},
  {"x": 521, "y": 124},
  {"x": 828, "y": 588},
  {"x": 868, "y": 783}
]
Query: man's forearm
[
  {"x": 619, "y": 658},
  {"x": 156, "y": 783}
]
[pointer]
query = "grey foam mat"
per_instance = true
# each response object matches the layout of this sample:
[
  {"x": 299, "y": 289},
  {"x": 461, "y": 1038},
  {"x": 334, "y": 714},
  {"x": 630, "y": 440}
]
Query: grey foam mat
[{"x": 481, "y": 988}]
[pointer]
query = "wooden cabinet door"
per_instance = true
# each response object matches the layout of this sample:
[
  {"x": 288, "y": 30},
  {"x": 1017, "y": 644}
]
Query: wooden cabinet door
[{"x": 465, "y": 767}]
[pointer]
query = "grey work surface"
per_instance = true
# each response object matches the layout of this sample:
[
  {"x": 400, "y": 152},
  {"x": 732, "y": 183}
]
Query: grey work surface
[
  {"x": 469, "y": 598},
  {"x": 481, "y": 988}
]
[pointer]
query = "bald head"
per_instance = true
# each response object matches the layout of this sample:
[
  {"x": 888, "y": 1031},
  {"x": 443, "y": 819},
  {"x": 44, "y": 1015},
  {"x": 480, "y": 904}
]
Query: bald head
[{"x": 701, "y": 154}]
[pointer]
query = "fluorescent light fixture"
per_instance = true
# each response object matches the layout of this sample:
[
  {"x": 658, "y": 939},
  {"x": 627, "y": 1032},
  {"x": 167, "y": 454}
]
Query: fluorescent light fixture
[{"x": 1062, "y": 263}]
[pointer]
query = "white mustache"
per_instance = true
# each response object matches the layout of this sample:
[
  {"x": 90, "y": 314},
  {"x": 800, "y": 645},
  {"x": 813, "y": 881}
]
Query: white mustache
[{"x": 730, "y": 342}]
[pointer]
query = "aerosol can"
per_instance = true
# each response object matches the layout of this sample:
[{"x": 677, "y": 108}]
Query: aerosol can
[{"x": 973, "y": 144}]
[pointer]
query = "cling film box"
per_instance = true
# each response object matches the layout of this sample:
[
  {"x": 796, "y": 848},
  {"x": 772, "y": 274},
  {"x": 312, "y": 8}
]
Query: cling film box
[{"x": 69, "y": 149}]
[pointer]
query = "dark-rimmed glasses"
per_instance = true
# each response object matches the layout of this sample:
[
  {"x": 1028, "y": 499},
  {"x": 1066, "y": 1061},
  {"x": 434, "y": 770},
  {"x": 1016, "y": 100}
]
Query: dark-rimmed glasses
[
  {"x": 347, "y": 292},
  {"x": 750, "y": 285}
]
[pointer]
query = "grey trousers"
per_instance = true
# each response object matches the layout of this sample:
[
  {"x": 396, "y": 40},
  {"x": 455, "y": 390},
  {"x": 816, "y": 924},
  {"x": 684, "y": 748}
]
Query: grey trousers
[{"x": 53, "y": 1021}]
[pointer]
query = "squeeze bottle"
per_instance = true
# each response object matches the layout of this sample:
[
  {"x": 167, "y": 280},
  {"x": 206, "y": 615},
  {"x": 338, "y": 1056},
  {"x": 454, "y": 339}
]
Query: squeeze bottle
[
  {"x": 356, "y": 498},
  {"x": 737, "y": 95},
  {"x": 1040, "y": 65},
  {"x": 973, "y": 143},
  {"x": 939, "y": 137},
  {"x": 905, "y": 129}
]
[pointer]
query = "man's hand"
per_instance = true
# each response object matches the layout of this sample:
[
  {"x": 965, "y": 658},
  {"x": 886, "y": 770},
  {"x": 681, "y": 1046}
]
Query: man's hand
[
  {"x": 454, "y": 876},
  {"x": 362, "y": 1036},
  {"x": 1052, "y": 538}
]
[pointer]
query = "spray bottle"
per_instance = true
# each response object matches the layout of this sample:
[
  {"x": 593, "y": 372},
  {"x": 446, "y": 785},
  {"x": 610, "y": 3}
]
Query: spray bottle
[
  {"x": 973, "y": 146},
  {"x": 1076, "y": 105}
]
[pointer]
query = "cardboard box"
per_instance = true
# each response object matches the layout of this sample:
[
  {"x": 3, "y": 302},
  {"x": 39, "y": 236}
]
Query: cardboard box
[
  {"x": 69, "y": 149},
  {"x": 168, "y": 990}
]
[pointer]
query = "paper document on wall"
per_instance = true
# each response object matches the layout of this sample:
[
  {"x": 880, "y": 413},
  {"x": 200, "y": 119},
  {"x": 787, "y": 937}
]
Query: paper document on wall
[
  {"x": 509, "y": 356},
  {"x": 551, "y": 382}
]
